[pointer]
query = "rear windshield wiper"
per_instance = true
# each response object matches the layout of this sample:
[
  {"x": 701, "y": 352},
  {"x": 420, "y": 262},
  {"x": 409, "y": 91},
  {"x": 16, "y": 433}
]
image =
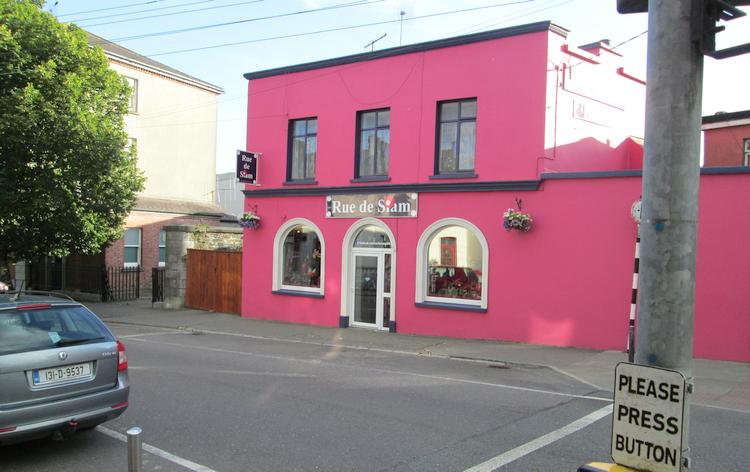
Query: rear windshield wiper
[{"x": 70, "y": 342}]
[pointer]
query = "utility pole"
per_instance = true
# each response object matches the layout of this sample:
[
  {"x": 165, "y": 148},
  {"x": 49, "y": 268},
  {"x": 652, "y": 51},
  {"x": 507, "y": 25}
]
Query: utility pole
[
  {"x": 680, "y": 33},
  {"x": 671, "y": 171}
]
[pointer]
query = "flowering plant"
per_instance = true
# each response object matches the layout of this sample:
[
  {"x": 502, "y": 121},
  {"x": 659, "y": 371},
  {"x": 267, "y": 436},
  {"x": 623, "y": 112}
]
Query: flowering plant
[
  {"x": 250, "y": 220},
  {"x": 516, "y": 219}
]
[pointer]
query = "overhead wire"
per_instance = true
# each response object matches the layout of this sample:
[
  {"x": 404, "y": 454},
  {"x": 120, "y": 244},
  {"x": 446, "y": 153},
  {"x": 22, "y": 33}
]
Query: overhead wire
[
  {"x": 342, "y": 28},
  {"x": 493, "y": 22},
  {"x": 112, "y": 8},
  {"x": 248, "y": 20},
  {"x": 244, "y": 95},
  {"x": 141, "y": 11}
]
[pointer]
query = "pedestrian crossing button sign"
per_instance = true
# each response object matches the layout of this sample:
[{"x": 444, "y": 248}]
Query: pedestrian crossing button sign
[{"x": 648, "y": 418}]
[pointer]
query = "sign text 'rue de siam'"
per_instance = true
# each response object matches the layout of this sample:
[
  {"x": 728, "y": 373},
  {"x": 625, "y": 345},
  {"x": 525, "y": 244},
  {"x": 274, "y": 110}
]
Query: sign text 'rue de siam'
[{"x": 393, "y": 205}]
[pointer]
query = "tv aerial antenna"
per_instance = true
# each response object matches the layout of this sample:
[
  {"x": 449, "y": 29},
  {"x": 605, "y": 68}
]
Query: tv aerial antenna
[{"x": 371, "y": 44}]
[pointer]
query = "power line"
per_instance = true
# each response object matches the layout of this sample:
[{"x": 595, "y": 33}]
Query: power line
[
  {"x": 157, "y": 9},
  {"x": 113, "y": 8},
  {"x": 494, "y": 22},
  {"x": 342, "y": 28},
  {"x": 628, "y": 40},
  {"x": 230, "y": 23}
]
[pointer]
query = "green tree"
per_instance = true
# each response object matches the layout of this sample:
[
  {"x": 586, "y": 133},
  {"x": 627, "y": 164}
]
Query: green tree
[{"x": 67, "y": 176}]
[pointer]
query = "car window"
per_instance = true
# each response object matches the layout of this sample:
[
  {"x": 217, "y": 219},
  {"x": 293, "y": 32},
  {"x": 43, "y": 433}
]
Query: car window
[{"x": 34, "y": 329}]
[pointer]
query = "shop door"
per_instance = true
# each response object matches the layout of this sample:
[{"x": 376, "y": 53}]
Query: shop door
[{"x": 371, "y": 289}]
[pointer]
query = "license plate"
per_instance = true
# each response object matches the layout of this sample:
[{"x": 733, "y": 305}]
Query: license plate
[{"x": 62, "y": 374}]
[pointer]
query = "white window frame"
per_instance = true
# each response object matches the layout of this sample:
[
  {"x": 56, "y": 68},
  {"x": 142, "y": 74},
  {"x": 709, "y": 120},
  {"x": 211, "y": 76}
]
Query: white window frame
[
  {"x": 125, "y": 245},
  {"x": 422, "y": 260},
  {"x": 133, "y": 98},
  {"x": 278, "y": 257},
  {"x": 746, "y": 152},
  {"x": 164, "y": 262},
  {"x": 347, "y": 260}
]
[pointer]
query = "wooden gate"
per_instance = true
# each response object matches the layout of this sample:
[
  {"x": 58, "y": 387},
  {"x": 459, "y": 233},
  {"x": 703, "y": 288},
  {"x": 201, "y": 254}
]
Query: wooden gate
[{"x": 214, "y": 280}]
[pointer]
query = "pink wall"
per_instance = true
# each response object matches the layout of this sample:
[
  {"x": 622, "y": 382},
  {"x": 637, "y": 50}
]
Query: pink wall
[
  {"x": 539, "y": 109},
  {"x": 565, "y": 283},
  {"x": 568, "y": 281},
  {"x": 508, "y": 77}
]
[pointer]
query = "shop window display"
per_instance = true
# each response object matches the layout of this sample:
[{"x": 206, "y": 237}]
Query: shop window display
[
  {"x": 454, "y": 264},
  {"x": 301, "y": 258}
]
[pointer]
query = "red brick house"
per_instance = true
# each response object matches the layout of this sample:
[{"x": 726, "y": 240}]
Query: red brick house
[{"x": 727, "y": 139}]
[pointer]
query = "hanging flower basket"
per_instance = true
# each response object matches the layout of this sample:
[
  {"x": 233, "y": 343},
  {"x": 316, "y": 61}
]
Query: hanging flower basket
[
  {"x": 250, "y": 221},
  {"x": 516, "y": 220}
]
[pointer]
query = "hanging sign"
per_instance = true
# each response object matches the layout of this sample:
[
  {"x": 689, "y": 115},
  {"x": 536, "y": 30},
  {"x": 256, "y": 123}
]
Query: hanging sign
[
  {"x": 649, "y": 410},
  {"x": 379, "y": 205},
  {"x": 247, "y": 167}
]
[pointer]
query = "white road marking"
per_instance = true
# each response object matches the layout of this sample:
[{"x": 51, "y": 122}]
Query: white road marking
[
  {"x": 159, "y": 333},
  {"x": 157, "y": 452},
  {"x": 375, "y": 349},
  {"x": 579, "y": 379},
  {"x": 540, "y": 442},
  {"x": 266, "y": 373},
  {"x": 412, "y": 374},
  {"x": 394, "y": 351}
]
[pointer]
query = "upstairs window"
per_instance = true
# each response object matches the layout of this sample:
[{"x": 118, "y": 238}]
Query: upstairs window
[
  {"x": 373, "y": 143},
  {"x": 303, "y": 145},
  {"x": 456, "y": 137},
  {"x": 133, "y": 103},
  {"x": 746, "y": 152}
]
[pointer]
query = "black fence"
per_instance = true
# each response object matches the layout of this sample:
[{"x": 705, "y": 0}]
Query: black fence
[
  {"x": 109, "y": 283},
  {"x": 121, "y": 283},
  {"x": 157, "y": 285}
]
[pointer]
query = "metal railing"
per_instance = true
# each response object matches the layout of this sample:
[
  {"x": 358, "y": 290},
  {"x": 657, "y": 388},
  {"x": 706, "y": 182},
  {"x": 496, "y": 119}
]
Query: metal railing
[
  {"x": 157, "y": 285},
  {"x": 121, "y": 283}
]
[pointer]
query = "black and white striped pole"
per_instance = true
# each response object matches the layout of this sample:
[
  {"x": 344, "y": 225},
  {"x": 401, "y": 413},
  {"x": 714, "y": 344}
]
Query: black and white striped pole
[{"x": 635, "y": 212}]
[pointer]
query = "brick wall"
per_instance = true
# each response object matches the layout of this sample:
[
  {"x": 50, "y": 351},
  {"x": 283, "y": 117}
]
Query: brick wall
[
  {"x": 723, "y": 146},
  {"x": 150, "y": 224}
]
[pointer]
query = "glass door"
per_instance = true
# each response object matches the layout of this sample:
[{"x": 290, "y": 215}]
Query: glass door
[
  {"x": 365, "y": 286},
  {"x": 371, "y": 290}
]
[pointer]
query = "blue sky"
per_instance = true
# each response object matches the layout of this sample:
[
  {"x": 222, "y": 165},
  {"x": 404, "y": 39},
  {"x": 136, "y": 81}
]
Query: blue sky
[{"x": 121, "y": 21}]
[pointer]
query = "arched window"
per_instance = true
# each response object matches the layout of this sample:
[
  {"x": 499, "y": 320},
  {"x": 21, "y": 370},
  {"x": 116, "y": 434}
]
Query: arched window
[
  {"x": 299, "y": 257},
  {"x": 452, "y": 260},
  {"x": 372, "y": 237}
]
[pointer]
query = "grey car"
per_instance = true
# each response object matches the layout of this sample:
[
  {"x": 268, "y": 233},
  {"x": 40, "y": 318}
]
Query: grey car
[{"x": 61, "y": 369}]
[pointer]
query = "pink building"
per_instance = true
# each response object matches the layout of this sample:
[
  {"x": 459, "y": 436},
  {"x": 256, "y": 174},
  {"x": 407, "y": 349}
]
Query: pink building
[{"x": 385, "y": 177}]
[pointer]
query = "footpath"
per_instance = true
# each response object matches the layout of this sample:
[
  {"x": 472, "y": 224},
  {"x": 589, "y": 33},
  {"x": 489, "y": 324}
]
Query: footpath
[{"x": 718, "y": 384}]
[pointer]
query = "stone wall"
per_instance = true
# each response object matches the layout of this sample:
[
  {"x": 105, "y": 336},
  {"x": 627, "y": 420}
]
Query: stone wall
[{"x": 183, "y": 237}]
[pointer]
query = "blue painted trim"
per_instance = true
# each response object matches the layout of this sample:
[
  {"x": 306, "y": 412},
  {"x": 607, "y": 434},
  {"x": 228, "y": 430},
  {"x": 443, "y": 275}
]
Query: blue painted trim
[
  {"x": 451, "y": 306},
  {"x": 343, "y": 321},
  {"x": 725, "y": 170},
  {"x": 371, "y": 178},
  {"x": 437, "y": 187},
  {"x": 296, "y": 293},
  {"x": 637, "y": 173},
  {"x": 412, "y": 48},
  {"x": 300, "y": 182},
  {"x": 590, "y": 175},
  {"x": 392, "y": 326},
  {"x": 455, "y": 175}
]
